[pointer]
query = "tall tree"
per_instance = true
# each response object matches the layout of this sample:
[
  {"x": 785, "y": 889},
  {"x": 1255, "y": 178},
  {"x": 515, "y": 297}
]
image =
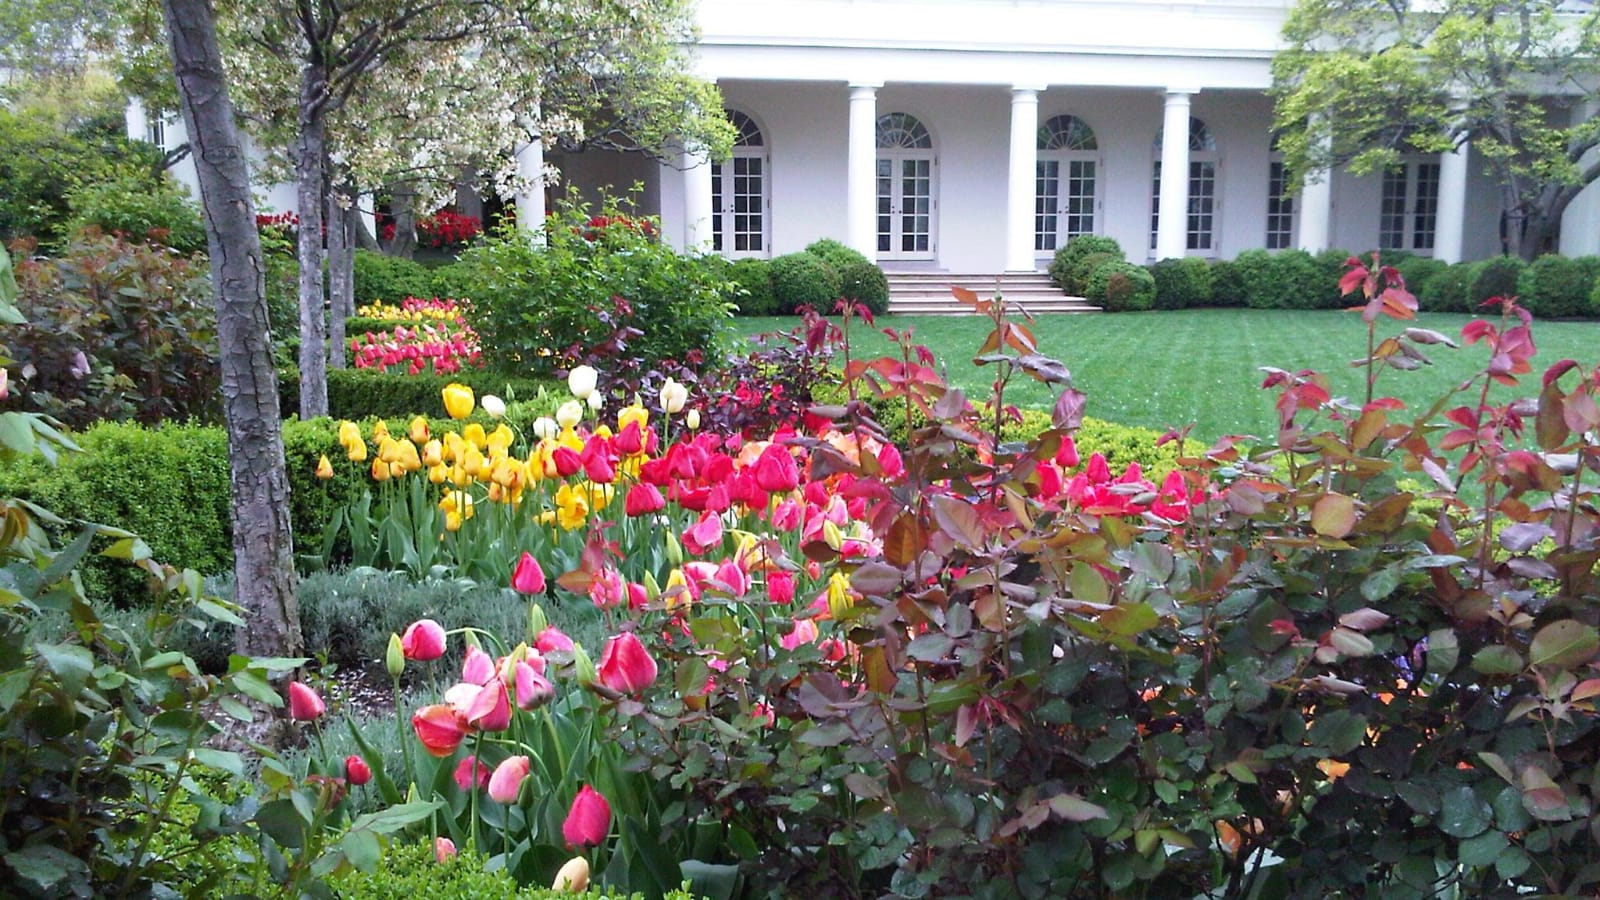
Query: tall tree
[
  {"x": 262, "y": 539},
  {"x": 1363, "y": 82},
  {"x": 406, "y": 91}
]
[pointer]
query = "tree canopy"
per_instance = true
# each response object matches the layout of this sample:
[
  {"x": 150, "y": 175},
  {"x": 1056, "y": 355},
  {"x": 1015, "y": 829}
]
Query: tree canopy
[{"x": 1361, "y": 83}]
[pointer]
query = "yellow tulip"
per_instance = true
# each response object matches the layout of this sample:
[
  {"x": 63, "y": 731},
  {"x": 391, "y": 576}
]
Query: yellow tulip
[
  {"x": 438, "y": 473},
  {"x": 380, "y": 431},
  {"x": 452, "y": 521},
  {"x": 419, "y": 430},
  {"x": 397, "y": 470},
  {"x": 432, "y": 453},
  {"x": 458, "y": 400},
  {"x": 349, "y": 433},
  {"x": 380, "y": 469},
  {"x": 324, "y": 468},
  {"x": 453, "y": 446},
  {"x": 473, "y": 434},
  {"x": 357, "y": 451},
  {"x": 502, "y": 435},
  {"x": 572, "y": 508},
  {"x": 634, "y": 413},
  {"x": 460, "y": 476},
  {"x": 388, "y": 448},
  {"x": 839, "y": 601}
]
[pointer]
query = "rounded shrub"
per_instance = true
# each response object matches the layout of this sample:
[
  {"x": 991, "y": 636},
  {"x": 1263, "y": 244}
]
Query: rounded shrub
[
  {"x": 865, "y": 283},
  {"x": 1495, "y": 277},
  {"x": 132, "y": 206},
  {"x": 1299, "y": 282},
  {"x": 1078, "y": 273},
  {"x": 1120, "y": 286},
  {"x": 389, "y": 278},
  {"x": 1418, "y": 271},
  {"x": 1330, "y": 268},
  {"x": 836, "y": 254},
  {"x": 1448, "y": 289},
  {"x": 1063, "y": 270},
  {"x": 753, "y": 277},
  {"x": 1254, "y": 270},
  {"x": 1227, "y": 284},
  {"x": 1558, "y": 287},
  {"x": 1181, "y": 283},
  {"x": 803, "y": 279}
]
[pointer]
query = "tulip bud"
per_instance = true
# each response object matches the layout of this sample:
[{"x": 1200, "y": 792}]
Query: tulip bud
[
  {"x": 652, "y": 588},
  {"x": 569, "y": 414},
  {"x": 832, "y": 535},
  {"x": 588, "y": 821},
  {"x": 423, "y": 640},
  {"x": 596, "y": 401},
  {"x": 356, "y": 451},
  {"x": 394, "y": 659},
  {"x": 582, "y": 380},
  {"x": 304, "y": 703},
  {"x": 418, "y": 432},
  {"x": 838, "y": 595},
  {"x": 492, "y": 405},
  {"x": 674, "y": 549},
  {"x": 692, "y": 419},
  {"x": 324, "y": 468},
  {"x": 573, "y": 877},
  {"x": 443, "y": 849},
  {"x": 537, "y": 622},
  {"x": 528, "y": 578},
  {"x": 356, "y": 770},
  {"x": 626, "y": 666},
  {"x": 545, "y": 428},
  {"x": 583, "y": 666},
  {"x": 458, "y": 400},
  {"x": 349, "y": 433},
  {"x": 673, "y": 397}
]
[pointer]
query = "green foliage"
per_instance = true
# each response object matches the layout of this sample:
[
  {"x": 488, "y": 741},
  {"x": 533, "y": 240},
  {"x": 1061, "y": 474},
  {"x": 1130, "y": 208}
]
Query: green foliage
[
  {"x": 866, "y": 284},
  {"x": 1558, "y": 287},
  {"x": 1181, "y": 282},
  {"x": 1261, "y": 289},
  {"x": 364, "y": 393},
  {"x": 281, "y": 277},
  {"x": 390, "y": 278},
  {"x": 611, "y": 291},
  {"x": 141, "y": 316},
  {"x": 1287, "y": 279},
  {"x": 1449, "y": 289},
  {"x": 804, "y": 279},
  {"x": 754, "y": 279},
  {"x": 1227, "y": 284},
  {"x": 1120, "y": 286},
  {"x": 1418, "y": 272},
  {"x": 1062, "y": 270},
  {"x": 169, "y": 483},
  {"x": 409, "y": 870},
  {"x": 131, "y": 205},
  {"x": 1494, "y": 277},
  {"x": 1080, "y": 269},
  {"x": 451, "y": 281},
  {"x": 44, "y": 160},
  {"x": 836, "y": 254}
]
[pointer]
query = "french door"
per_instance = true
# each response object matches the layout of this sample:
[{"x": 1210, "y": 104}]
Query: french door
[{"x": 907, "y": 220}]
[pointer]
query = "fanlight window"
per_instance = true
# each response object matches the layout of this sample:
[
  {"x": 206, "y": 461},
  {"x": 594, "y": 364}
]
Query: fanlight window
[
  {"x": 902, "y": 131},
  {"x": 749, "y": 134},
  {"x": 1066, "y": 133},
  {"x": 1200, "y": 138}
]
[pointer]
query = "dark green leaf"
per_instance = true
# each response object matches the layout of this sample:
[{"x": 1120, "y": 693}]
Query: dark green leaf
[{"x": 1462, "y": 813}]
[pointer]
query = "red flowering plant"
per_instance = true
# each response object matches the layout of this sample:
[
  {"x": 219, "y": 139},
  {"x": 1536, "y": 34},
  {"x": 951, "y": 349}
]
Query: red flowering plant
[{"x": 448, "y": 229}]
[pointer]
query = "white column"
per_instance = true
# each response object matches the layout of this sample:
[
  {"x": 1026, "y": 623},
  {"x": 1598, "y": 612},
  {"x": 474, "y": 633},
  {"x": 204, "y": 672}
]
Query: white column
[
  {"x": 1172, "y": 230},
  {"x": 697, "y": 210},
  {"x": 1316, "y": 206},
  {"x": 530, "y": 188},
  {"x": 861, "y": 193},
  {"x": 1021, "y": 188},
  {"x": 1451, "y": 213},
  {"x": 1580, "y": 224}
]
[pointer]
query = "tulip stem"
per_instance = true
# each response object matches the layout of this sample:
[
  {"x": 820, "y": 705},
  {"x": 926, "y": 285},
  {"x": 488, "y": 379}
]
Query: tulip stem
[
  {"x": 477, "y": 748},
  {"x": 400, "y": 730}
]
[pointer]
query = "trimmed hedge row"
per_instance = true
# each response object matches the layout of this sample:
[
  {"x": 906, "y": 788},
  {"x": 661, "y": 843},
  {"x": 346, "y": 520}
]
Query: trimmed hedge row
[
  {"x": 363, "y": 393},
  {"x": 816, "y": 277}
]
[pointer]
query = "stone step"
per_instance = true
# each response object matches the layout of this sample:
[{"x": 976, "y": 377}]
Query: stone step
[
  {"x": 952, "y": 307},
  {"x": 929, "y": 293}
]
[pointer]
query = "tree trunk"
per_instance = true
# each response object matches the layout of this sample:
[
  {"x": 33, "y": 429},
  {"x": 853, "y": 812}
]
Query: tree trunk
[
  {"x": 263, "y": 548},
  {"x": 341, "y": 272},
  {"x": 310, "y": 149},
  {"x": 403, "y": 213}
]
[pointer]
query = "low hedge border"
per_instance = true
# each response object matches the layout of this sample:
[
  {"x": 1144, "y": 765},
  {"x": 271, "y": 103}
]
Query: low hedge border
[{"x": 361, "y": 393}]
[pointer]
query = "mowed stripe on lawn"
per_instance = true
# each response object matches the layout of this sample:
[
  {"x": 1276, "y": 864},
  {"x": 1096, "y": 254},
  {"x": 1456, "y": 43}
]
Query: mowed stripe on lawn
[{"x": 1168, "y": 369}]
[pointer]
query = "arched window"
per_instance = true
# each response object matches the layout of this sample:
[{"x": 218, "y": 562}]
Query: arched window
[
  {"x": 1202, "y": 203},
  {"x": 905, "y": 186},
  {"x": 739, "y": 193},
  {"x": 1065, "y": 181}
]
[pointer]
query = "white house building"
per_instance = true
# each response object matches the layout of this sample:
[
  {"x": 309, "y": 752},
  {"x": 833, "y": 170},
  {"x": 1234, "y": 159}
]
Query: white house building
[{"x": 977, "y": 136}]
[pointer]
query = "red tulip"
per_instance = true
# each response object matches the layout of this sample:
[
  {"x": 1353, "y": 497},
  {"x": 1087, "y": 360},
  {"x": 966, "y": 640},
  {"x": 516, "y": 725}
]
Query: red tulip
[
  {"x": 566, "y": 461},
  {"x": 440, "y": 729},
  {"x": 625, "y": 666},
  {"x": 643, "y": 498},
  {"x": 356, "y": 770},
  {"x": 472, "y": 773},
  {"x": 704, "y": 534},
  {"x": 588, "y": 821},
  {"x": 506, "y": 782},
  {"x": 423, "y": 640},
  {"x": 775, "y": 470},
  {"x": 780, "y": 586},
  {"x": 304, "y": 704},
  {"x": 528, "y": 577}
]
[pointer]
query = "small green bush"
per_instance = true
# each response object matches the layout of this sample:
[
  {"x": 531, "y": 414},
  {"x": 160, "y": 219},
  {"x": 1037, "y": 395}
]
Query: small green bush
[
  {"x": 1181, "y": 283},
  {"x": 1256, "y": 277},
  {"x": 1331, "y": 267},
  {"x": 1078, "y": 273},
  {"x": 866, "y": 284},
  {"x": 1227, "y": 284},
  {"x": 1418, "y": 271},
  {"x": 390, "y": 278},
  {"x": 1495, "y": 277},
  {"x": 836, "y": 254},
  {"x": 409, "y": 870},
  {"x": 803, "y": 279},
  {"x": 754, "y": 278},
  {"x": 158, "y": 212},
  {"x": 1448, "y": 290},
  {"x": 452, "y": 281},
  {"x": 1120, "y": 286},
  {"x": 1061, "y": 266},
  {"x": 1300, "y": 281},
  {"x": 1558, "y": 287}
]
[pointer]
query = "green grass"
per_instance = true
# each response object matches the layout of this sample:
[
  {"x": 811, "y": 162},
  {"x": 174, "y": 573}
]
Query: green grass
[{"x": 1202, "y": 367}]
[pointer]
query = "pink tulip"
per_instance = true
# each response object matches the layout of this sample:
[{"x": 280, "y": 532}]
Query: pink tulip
[
  {"x": 506, "y": 782},
  {"x": 472, "y": 773},
  {"x": 439, "y": 728},
  {"x": 304, "y": 704},
  {"x": 552, "y": 640},
  {"x": 704, "y": 534},
  {"x": 588, "y": 821},
  {"x": 528, "y": 578},
  {"x": 608, "y": 590},
  {"x": 625, "y": 666},
  {"x": 533, "y": 689},
  {"x": 805, "y": 632},
  {"x": 775, "y": 470},
  {"x": 443, "y": 849},
  {"x": 732, "y": 577},
  {"x": 780, "y": 586},
  {"x": 491, "y": 709},
  {"x": 477, "y": 668},
  {"x": 423, "y": 640},
  {"x": 642, "y": 499},
  {"x": 356, "y": 770}
]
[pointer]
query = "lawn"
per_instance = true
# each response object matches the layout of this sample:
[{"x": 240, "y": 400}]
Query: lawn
[{"x": 1168, "y": 369}]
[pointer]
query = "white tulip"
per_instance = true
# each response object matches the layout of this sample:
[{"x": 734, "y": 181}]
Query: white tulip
[
  {"x": 597, "y": 400},
  {"x": 492, "y": 405},
  {"x": 581, "y": 381},
  {"x": 673, "y": 397},
  {"x": 573, "y": 877},
  {"x": 692, "y": 419},
  {"x": 545, "y": 427},
  {"x": 569, "y": 414}
]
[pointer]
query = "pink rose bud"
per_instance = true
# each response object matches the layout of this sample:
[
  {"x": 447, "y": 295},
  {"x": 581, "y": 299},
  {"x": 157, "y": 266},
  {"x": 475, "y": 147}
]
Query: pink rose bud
[
  {"x": 506, "y": 782},
  {"x": 356, "y": 770},
  {"x": 625, "y": 666},
  {"x": 304, "y": 704},
  {"x": 588, "y": 821},
  {"x": 423, "y": 640},
  {"x": 528, "y": 578}
]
